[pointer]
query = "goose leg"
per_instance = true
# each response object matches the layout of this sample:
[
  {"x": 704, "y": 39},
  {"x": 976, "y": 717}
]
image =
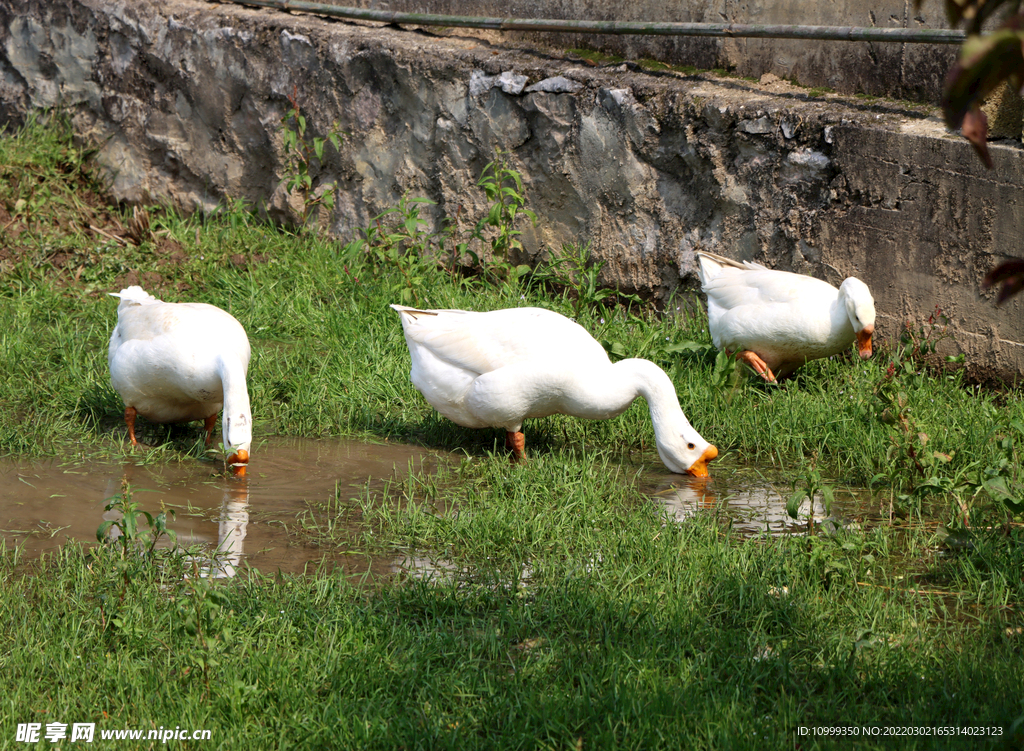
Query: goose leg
[
  {"x": 759, "y": 365},
  {"x": 129, "y": 420},
  {"x": 208, "y": 425},
  {"x": 516, "y": 442}
]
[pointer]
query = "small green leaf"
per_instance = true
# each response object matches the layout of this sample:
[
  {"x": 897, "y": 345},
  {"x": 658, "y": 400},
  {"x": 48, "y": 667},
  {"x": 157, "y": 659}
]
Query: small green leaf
[
  {"x": 827, "y": 498},
  {"x": 104, "y": 530},
  {"x": 793, "y": 504}
]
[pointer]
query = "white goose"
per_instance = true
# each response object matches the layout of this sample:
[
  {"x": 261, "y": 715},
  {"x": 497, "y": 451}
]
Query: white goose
[
  {"x": 777, "y": 320},
  {"x": 497, "y": 368},
  {"x": 175, "y": 362}
]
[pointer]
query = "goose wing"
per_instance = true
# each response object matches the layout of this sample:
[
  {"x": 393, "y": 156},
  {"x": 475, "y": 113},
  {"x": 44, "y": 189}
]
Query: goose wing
[
  {"x": 766, "y": 287},
  {"x": 484, "y": 342}
]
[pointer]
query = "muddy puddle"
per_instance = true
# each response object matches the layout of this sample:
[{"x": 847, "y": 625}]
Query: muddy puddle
[
  {"x": 252, "y": 522},
  {"x": 43, "y": 504},
  {"x": 740, "y": 498},
  {"x": 753, "y": 505}
]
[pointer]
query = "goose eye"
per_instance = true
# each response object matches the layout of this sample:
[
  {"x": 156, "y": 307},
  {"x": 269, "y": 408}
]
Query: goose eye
[{"x": 690, "y": 446}]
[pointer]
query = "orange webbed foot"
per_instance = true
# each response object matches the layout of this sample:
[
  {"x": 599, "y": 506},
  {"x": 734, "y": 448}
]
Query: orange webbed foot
[
  {"x": 759, "y": 365},
  {"x": 517, "y": 443},
  {"x": 208, "y": 425},
  {"x": 129, "y": 419}
]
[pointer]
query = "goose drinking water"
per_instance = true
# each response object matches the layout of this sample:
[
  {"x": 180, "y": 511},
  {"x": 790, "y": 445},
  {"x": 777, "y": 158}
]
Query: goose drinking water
[
  {"x": 495, "y": 369},
  {"x": 176, "y": 362}
]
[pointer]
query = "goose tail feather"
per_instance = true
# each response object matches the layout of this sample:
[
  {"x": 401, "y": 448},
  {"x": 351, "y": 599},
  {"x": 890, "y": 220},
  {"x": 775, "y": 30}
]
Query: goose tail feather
[
  {"x": 134, "y": 294},
  {"x": 709, "y": 265}
]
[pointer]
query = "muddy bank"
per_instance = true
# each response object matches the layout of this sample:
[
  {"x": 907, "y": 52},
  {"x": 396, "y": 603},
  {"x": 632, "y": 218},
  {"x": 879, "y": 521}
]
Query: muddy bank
[{"x": 185, "y": 100}]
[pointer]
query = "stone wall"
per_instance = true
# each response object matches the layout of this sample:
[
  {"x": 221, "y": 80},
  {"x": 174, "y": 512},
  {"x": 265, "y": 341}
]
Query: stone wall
[
  {"x": 185, "y": 100},
  {"x": 907, "y": 71}
]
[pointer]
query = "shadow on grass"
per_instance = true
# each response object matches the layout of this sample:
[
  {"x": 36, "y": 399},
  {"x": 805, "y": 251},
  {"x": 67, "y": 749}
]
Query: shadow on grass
[{"x": 573, "y": 663}]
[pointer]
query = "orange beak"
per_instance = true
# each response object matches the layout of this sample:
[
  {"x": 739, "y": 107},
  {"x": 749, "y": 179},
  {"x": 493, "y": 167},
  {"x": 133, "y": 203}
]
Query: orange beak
[
  {"x": 700, "y": 467},
  {"x": 864, "y": 341},
  {"x": 238, "y": 462}
]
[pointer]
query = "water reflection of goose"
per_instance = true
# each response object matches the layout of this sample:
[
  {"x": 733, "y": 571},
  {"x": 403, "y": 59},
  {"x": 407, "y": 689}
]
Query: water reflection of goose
[
  {"x": 753, "y": 509},
  {"x": 234, "y": 518},
  {"x": 683, "y": 502},
  {"x": 224, "y": 559}
]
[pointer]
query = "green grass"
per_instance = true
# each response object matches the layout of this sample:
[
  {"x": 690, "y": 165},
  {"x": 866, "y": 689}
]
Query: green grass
[
  {"x": 567, "y": 611},
  {"x": 595, "y": 57},
  {"x": 632, "y": 633}
]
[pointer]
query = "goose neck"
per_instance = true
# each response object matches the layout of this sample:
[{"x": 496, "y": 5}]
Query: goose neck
[
  {"x": 236, "y": 421},
  {"x": 654, "y": 385}
]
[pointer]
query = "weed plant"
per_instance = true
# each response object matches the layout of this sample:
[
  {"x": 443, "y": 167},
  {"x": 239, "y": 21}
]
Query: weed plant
[
  {"x": 564, "y": 609},
  {"x": 304, "y": 156}
]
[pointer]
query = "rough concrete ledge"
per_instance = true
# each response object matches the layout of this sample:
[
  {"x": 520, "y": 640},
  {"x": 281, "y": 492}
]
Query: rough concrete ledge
[
  {"x": 905, "y": 71},
  {"x": 185, "y": 99}
]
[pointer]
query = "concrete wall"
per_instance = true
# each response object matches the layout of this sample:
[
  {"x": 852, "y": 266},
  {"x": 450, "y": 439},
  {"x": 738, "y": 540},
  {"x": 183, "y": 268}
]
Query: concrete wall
[
  {"x": 907, "y": 71},
  {"x": 185, "y": 99}
]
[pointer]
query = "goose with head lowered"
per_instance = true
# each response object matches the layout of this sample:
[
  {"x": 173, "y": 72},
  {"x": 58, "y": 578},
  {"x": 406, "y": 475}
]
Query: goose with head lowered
[
  {"x": 176, "y": 362},
  {"x": 777, "y": 320},
  {"x": 494, "y": 369}
]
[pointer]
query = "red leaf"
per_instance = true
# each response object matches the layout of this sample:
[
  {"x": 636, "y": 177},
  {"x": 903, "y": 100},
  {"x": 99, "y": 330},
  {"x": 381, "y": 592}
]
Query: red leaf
[
  {"x": 975, "y": 130},
  {"x": 1011, "y": 274}
]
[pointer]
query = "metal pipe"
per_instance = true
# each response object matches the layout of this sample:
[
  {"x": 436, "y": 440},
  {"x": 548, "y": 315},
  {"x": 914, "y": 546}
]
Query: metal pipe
[{"x": 729, "y": 30}]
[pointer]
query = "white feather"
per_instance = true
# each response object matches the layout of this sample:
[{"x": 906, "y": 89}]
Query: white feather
[{"x": 136, "y": 295}]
